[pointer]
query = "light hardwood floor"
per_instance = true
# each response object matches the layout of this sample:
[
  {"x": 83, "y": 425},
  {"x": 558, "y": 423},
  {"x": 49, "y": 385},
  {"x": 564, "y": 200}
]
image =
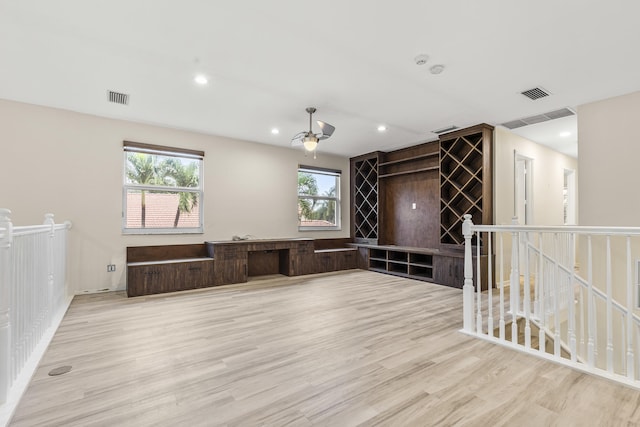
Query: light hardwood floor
[{"x": 345, "y": 349}]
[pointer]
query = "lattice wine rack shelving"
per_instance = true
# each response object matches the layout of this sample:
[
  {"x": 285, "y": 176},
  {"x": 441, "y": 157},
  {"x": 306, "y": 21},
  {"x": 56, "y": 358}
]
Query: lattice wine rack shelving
[
  {"x": 365, "y": 203},
  {"x": 465, "y": 182}
]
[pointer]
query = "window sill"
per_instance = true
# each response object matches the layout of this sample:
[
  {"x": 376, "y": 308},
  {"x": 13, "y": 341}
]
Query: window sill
[
  {"x": 319, "y": 228},
  {"x": 160, "y": 231}
]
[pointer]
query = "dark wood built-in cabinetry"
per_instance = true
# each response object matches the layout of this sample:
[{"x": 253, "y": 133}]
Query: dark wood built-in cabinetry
[
  {"x": 421, "y": 194},
  {"x": 159, "y": 269}
]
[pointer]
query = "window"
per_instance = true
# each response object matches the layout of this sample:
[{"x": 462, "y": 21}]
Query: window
[
  {"x": 318, "y": 198},
  {"x": 162, "y": 191}
]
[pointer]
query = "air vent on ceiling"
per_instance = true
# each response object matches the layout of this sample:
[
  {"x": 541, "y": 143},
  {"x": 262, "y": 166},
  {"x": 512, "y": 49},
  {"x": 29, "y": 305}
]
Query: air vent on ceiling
[
  {"x": 118, "y": 98},
  {"x": 535, "y": 93},
  {"x": 445, "y": 130},
  {"x": 551, "y": 115}
]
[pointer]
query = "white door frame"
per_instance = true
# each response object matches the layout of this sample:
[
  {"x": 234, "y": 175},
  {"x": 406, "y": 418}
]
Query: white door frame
[
  {"x": 570, "y": 184},
  {"x": 522, "y": 188}
]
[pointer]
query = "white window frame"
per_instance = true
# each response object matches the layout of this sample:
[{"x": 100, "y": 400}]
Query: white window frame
[
  {"x": 136, "y": 147},
  {"x": 322, "y": 171}
]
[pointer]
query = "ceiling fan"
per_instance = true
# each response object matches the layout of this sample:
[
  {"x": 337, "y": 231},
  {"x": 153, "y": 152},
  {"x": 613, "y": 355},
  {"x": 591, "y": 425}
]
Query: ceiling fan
[{"x": 308, "y": 139}]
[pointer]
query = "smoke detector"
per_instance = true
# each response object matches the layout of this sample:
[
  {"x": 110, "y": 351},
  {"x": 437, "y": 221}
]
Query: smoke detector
[{"x": 421, "y": 59}]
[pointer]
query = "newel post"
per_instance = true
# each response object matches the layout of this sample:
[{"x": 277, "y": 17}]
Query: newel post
[
  {"x": 6, "y": 238},
  {"x": 467, "y": 289}
]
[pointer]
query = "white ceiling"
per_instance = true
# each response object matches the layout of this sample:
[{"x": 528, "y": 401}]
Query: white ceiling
[{"x": 353, "y": 60}]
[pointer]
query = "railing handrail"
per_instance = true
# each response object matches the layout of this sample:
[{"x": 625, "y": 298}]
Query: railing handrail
[
  {"x": 585, "y": 284},
  {"x": 34, "y": 229},
  {"x": 622, "y": 231}
]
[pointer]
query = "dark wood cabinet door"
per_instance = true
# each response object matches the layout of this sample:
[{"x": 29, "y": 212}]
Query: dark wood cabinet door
[
  {"x": 449, "y": 271},
  {"x": 325, "y": 262},
  {"x": 300, "y": 259},
  {"x": 151, "y": 279},
  {"x": 230, "y": 264},
  {"x": 346, "y": 260},
  {"x": 194, "y": 274},
  {"x": 363, "y": 258},
  {"x": 303, "y": 264}
]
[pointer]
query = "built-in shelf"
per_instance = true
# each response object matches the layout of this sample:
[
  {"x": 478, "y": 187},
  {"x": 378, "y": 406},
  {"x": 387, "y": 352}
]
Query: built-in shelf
[
  {"x": 410, "y": 159},
  {"x": 405, "y": 262},
  {"x": 409, "y": 162},
  {"x": 387, "y": 175}
]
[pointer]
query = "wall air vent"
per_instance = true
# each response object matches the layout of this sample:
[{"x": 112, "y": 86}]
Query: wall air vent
[
  {"x": 445, "y": 130},
  {"x": 118, "y": 98},
  {"x": 535, "y": 93},
  {"x": 551, "y": 115}
]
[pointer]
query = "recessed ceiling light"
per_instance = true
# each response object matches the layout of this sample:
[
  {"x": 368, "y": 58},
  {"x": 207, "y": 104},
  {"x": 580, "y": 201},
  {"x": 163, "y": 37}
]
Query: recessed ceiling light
[
  {"x": 436, "y": 69},
  {"x": 565, "y": 134},
  {"x": 275, "y": 131},
  {"x": 201, "y": 79},
  {"x": 382, "y": 128}
]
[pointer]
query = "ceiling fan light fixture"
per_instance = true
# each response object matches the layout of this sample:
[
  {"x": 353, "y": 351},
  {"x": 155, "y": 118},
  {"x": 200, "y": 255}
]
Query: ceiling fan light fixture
[
  {"x": 310, "y": 142},
  {"x": 309, "y": 139}
]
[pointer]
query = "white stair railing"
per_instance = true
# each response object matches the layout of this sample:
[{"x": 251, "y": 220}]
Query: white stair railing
[
  {"x": 580, "y": 322},
  {"x": 33, "y": 299}
]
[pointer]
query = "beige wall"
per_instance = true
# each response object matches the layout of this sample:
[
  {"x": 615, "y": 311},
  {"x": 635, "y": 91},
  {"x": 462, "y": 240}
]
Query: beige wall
[
  {"x": 609, "y": 150},
  {"x": 71, "y": 164},
  {"x": 548, "y": 178}
]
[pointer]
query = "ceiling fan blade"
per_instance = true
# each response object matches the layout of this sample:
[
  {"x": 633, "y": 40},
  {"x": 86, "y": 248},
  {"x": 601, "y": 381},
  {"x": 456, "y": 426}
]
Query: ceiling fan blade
[
  {"x": 327, "y": 129},
  {"x": 297, "y": 140}
]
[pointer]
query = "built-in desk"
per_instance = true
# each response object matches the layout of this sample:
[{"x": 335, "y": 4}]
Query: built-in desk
[{"x": 237, "y": 260}]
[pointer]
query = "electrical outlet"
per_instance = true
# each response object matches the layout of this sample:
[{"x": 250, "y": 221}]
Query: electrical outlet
[
  {"x": 413, "y": 205},
  {"x": 111, "y": 268}
]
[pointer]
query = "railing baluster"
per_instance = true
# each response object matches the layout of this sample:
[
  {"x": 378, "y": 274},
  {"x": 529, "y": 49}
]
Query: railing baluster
[
  {"x": 536, "y": 281},
  {"x": 583, "y": 347},
  {"x": 514, "y": 283},
  {"x": 609, "y": 309},
  {"x": 571, "y": 305},
  {"x": 556, "y": 302},
  {"x": 478, "y": 284},
  {"x": 502, "y": 325},
  {"x": 527, "y": 293},
  {"x": 542, "y": 315},
  {"x": 591, "y": 326},
  {"x": 489, "y": 286},
  {"x": 630, "y": 355}
]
